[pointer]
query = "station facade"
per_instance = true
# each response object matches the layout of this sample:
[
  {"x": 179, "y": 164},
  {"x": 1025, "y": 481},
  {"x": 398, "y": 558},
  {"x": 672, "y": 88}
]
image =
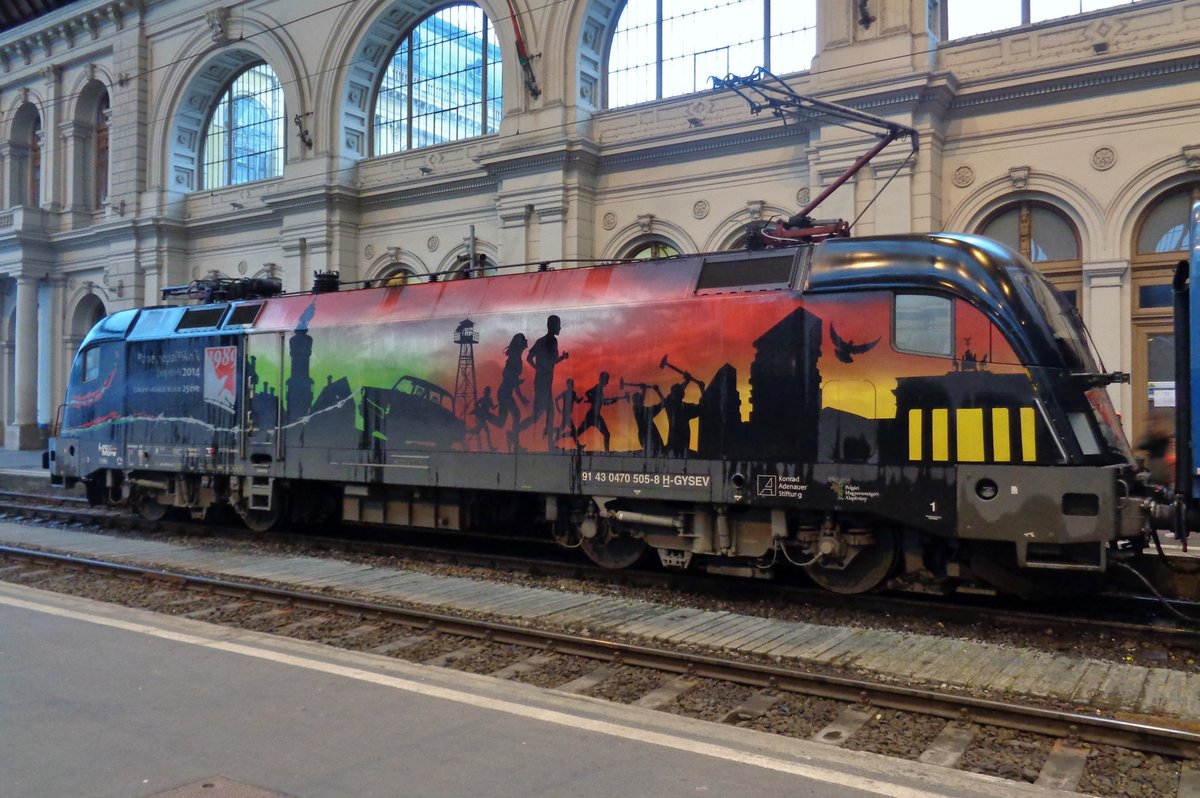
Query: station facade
[{"x": 149, "y": 143}]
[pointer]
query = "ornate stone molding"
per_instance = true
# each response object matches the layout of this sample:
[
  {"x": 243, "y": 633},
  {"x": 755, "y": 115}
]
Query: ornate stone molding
[
  {"x": 1019, "y": 176},
  {"x": 1103, "y": 158},
  {"x": 1191, "y": 156},
  {"x": 218, "y": 24}
]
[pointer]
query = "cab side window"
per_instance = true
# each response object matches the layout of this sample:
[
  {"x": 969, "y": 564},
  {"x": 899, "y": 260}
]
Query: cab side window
[
  {"x": 89, "y": 368},
  {"x": 924, "y": 324}
]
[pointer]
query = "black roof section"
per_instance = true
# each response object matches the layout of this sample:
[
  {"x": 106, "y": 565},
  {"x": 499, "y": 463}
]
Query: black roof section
[{"x": 17, "y": 12}]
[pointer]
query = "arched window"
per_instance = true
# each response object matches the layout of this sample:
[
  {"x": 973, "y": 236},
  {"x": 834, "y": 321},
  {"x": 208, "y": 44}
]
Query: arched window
[
  {"x": 441, "y": 84},
  {"x": 1046, "y": 237},
  {"x": 664, "y": 48},
  {"x": 652, "y": 249},
  {"x": 1160, "y": 241},
  {"x": 244, "y": 138},
  {"x": 400, "y": 274},
  {"x": 100, "y": 153}
]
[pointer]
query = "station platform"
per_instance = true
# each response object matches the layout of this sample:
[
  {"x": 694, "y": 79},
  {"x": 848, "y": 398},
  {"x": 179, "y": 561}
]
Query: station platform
[
  {"x": 112, "y": 702},
  {"x": 1161, "y": 696}
]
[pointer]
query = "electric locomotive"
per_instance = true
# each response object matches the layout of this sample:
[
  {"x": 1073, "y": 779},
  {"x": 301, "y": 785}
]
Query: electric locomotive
[{"x": 913, "y": 410}]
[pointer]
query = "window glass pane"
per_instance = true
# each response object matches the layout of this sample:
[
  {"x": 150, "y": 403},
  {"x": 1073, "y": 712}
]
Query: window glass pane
[
  {"x": 391, "y": 105},
  {"x": 91, "y": 364},
  {"x": 246, "y": 133},
  {"x": 1155, "y": 296},
  {"x": 1040, "y": 10},
  {"x": 793, "y": 36},
  {"x": 1160, "y": 361},
  {"x": 971, "y": 17},
  {"x": 1166, "y": 227},
  {"x": 924, "y": 324},
  {"x": 1053, "y": 236},
  {"x": 653, "y": 250},
  {"x": 632, "y": 59},
  {"x": 704, "y": 40},
  {"x": 1004, "y": 228},
  {"x": 443, "y": 83}
]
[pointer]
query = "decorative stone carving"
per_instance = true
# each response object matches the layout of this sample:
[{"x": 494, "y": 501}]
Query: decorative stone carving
[
  {"x": 646, "y": 222},
  {"x": 803, "y": 196},
  {"x": 609, "y": 221},
  {"x": 241, "y": 267},
  {"x": 218, "y": 24},
  {"x": 755, "y": 209},
  {"x": 700, "y": 209},
  {"x": 1103, "y": 158},
  {"x": 963, "y": 176},
  {"x": 369, "y": 251},
  {"x": 1191, "y": 156},
  {"x": 433, "y": 242},
  {"x": 1019, "y": 175}
]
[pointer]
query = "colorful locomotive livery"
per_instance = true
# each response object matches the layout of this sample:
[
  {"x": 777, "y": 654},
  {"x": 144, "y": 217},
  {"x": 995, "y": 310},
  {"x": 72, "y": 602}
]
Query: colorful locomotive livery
[{"x": 874, "y": 409}]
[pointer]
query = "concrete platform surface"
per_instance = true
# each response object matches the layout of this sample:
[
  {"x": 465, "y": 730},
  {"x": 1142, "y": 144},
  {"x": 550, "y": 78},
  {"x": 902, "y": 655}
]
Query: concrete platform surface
[{"x": 105, "y": 701}]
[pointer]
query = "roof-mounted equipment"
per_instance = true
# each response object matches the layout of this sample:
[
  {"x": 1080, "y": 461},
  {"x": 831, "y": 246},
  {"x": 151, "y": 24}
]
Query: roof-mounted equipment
[
  {"x": 224, "y": 289},
  {"x": 764, "y": 91}
]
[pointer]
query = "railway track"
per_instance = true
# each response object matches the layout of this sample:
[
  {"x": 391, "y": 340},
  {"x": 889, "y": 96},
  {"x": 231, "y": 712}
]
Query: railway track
[
  {"x": 1129, "y": 622},
  {"x": 827, "y": 708}
]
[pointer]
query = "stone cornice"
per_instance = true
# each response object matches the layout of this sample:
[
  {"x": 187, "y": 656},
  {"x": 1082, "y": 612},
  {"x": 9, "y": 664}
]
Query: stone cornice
[
  {"x": 570, "y": 153},
  {"x": 693, "y": 147},
  {"x": 63, "y": 29},
  {"x": 1184, "y": 69},
  {"x": 390, "y": 195}
]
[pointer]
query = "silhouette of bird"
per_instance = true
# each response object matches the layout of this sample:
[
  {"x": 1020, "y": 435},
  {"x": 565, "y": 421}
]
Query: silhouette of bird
[{"x": 846, "y": 350}]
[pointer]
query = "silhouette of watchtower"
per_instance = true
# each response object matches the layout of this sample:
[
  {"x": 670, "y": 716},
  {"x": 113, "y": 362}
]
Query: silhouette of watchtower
[{"x": 465, "y": 394}]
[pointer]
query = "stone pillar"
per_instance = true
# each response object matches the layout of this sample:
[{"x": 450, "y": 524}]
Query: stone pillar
[
  {"x": 514, "y": 232},
  {"x": 1106, "y": 314},
  {"x": 15, "y": 157},
  {"x": 52, "y": 185},
  {"x": 23, "y": 431},
  {"x": 552, "y": 220},
  {"x": 6, "y": 371},
  {"x": 75, "y": 139},
  {"x": 51, "y": 371}
]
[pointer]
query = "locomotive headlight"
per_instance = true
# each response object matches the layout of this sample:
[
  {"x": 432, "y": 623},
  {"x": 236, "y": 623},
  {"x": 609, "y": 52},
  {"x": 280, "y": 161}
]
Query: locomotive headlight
[{"x": 986, "y": 489}]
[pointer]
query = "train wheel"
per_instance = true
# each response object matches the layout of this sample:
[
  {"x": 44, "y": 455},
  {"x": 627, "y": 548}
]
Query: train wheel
[
  {"x": 614, "y": 551},
  {"x": 262, "y": 520},
  {"x": 150, "y": 508},
  {"x": 859, "y": 572}
]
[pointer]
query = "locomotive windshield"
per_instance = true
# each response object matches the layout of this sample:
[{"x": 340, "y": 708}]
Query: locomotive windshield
[{"x": 1060, "y": 317}]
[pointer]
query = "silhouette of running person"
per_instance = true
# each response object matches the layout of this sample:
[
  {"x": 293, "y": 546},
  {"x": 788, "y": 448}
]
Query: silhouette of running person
[
  {"x": 649, "y": 438},
  {"x": 596, "y": 400},
  {"x": 566, "y": 407},
  {"x": 510, "y": 389},
  {"x": 544, "y": 356},
  {"x": 679, "y": 415},
  {"x": 485, "y": 415}
]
